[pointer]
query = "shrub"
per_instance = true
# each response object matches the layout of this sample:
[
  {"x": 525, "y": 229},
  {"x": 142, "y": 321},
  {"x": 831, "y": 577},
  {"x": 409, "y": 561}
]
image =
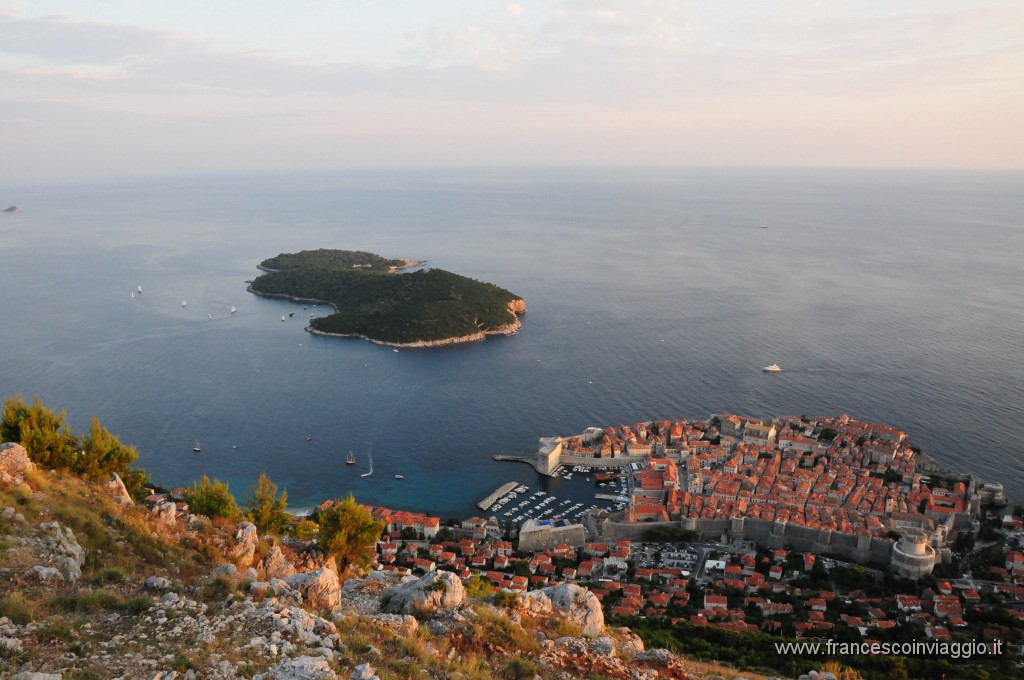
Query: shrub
[
  {"x": 305, "y": 530},
  {"x": 15, "y": 607},
  {"x": 212, "y": 499},
  {"x": 506, "y": 599},
  {"x": 267, "y": 510},
  {"x": 519, "y": 668},
  {"x": 109, "y": 575},
  {"x": 348, "y": 532},
  {"x": 217, "y": 589}
]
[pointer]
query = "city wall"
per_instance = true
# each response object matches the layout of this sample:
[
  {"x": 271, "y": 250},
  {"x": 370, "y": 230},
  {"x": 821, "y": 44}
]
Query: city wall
[{"x": 769, "y": 533}]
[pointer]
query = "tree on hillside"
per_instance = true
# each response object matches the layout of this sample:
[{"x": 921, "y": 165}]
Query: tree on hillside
[
  {"x": 43, "y": 433},
  {"x": 102, "y": 453},
  {"x": 348, "y": 531},
  {"x": 212, "y": 499},
  {"x": 266, "y": 509}
]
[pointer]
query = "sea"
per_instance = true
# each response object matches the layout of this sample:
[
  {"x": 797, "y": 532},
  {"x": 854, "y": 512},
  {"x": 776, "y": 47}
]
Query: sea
[{"x": 896, "y": 296}]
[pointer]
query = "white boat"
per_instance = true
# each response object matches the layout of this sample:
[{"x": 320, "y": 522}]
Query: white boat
[
  {"x": 282, "y": 318},
  {"x": 351, "y": 460},
  {"x": 367, "y": 474},
  {"x": 399, "y": 477},
  {"x": 183, "y": 303},
  {"x": 233, "y": 310},
  {"x": 133, "y": 294},
  {"x": 774, "y": 368},
  {"x": 196, "y": 448},
  {"x": 139, "y": 289},
  {"x": 209, "y": 316}
]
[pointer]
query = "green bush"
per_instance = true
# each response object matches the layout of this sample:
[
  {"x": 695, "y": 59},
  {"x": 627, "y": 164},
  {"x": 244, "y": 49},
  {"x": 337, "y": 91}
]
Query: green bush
[
  {"x": 266, "y": 509},
  {"x": 348, "y": 532},
  {"x": 15, "y": 607},
  {"x": 212, "y": 499},
  {"x": 519, "y": 668}
]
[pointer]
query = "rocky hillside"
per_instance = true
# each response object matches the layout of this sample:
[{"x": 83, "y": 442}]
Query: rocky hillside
[{"x": 93, "y": 586}]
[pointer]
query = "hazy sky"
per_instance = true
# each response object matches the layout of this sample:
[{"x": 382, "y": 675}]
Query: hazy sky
[{"x": 120, "y": 87}]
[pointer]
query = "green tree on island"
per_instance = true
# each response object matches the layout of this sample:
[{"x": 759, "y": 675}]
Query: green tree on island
[
  {"x": 266, "y": 509},
  {"x": 348, "y": 532}
]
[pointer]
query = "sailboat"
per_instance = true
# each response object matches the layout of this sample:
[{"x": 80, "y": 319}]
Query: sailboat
[
  {"x": 233, "y": 310},
  {"x": 399, "y": 476},
  {"x": 139, "y": 289},
  {"x": 183, "y": 303},
  {"x": 764, "y": 224},
  {"x": 282, "y": 318},
  {"x": 351, "y": 460},
  {"x": 367, "y": 474},
  {"x": 196, "y": 448},
  {"x": 133, "y": 294}
]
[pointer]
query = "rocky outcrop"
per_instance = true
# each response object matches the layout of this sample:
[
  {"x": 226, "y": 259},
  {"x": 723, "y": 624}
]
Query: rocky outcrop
[
  {"x": 313, "y": 558},
  {"x": 575, "y": 604},
  {"x": 65, "y": 551},
  {"x": 243, "y": 552},
  {"x": 116, "y": 489},
  {"x": 165, "y": 513},
  {"x": 300, "y": 668},
  {"x": 14, "y": 464},
  {"x": 320, "y": 589},
  {"x": 435, "y": 591},
  {"x": 275, "y": 565}
]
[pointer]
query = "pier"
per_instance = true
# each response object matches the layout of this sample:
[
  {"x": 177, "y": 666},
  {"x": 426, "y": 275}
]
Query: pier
[{"x": 486, "y": 503}]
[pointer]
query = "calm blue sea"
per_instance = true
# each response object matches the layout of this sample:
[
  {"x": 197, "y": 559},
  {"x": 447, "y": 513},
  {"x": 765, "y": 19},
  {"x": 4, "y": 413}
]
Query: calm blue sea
[{"x": 895, "y": 296}]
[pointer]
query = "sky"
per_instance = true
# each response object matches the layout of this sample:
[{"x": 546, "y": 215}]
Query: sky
[{"x": 115, "y": 88}]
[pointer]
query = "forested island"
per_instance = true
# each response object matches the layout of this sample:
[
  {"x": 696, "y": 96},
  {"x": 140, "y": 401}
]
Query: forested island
[{"x": 371, "y": 300}]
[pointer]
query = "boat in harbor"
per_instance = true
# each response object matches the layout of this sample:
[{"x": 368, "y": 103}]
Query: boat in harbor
[
  {"x": 196, "y": 448},
  {"x": 774, "y": 368},
  {"x": 351, "y": 460}
]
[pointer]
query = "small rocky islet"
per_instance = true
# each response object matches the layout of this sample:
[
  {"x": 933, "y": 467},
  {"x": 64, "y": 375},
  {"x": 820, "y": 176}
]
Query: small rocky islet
[{"x": 372, "y": 300}]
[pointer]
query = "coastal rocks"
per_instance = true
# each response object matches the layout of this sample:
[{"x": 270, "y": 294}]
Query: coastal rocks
[
  {"x": 116, "y": 489},
  {"x": 575, "y": 604},
  {"x": 434, "y": 591},
  {"x": 320, "y": 589},
  {"x": 243, "y": 552},
  {"x": 300, "y": 668},
  {"x": 14, "y": 463}
]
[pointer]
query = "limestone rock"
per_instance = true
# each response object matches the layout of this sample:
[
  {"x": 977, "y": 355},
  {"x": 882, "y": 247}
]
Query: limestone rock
[
  {"x": 14, "y": 463},
  {"x": 157, "y": 583},
  {"x": 403, "y": 624},
  {"x": 575, "y": 604},
  {"x": 313, "y": 558},
  {"x": 45, "y": 574},
  {"x": 243, "y": 551},
  {"x": 117, "y": 490},
  {"x": 275, "y": 565},
  {"x": 435, "y": 591},
  {"x": 165, "y": 513},
  {"x": 300, "y": 668},
  {"x": 363, "y": 671},
  {"x": 320, "y": 589},
  {"x": 629, "y": 643}
]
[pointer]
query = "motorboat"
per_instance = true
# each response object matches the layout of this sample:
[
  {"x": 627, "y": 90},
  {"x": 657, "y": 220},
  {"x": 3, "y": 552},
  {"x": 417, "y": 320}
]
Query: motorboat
[{"x": 774, "y": 368}]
